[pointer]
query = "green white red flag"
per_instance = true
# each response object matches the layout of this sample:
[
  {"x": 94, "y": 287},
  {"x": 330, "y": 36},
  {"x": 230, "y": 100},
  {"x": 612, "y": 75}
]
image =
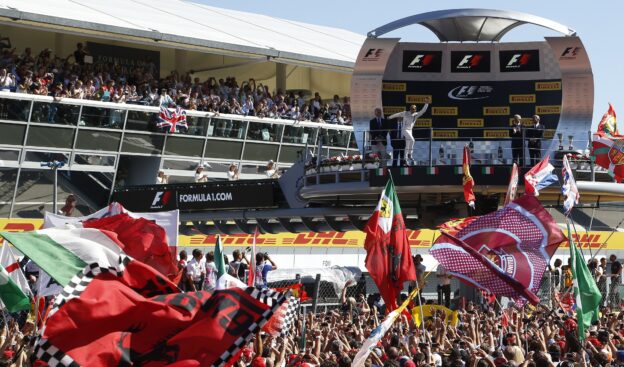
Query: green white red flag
[{"x": 388, "y": 257}]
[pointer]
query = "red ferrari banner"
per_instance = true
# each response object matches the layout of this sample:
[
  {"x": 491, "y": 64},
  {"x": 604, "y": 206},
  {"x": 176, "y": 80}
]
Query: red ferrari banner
[
  {"x": 133, "y": 316},
  {"x": 468, "y": 182}
]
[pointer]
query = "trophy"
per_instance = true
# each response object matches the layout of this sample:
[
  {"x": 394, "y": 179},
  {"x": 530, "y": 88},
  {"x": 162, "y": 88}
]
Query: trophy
[
  {"x": 570, "y": 139},
  {"x": 560, "y": 137}
]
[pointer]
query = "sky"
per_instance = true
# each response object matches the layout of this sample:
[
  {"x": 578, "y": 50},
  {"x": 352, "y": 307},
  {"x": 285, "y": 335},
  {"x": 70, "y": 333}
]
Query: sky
[{"x": 598, "y": 23}]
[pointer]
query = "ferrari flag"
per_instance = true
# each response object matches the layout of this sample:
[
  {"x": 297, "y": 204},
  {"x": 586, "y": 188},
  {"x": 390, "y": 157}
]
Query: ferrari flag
[
  {"x": 388, "y": 257},
  {"x": 608, "y": 145},
  {"x": 467, "y": 181},
  {"x": 505, "y": 252}
]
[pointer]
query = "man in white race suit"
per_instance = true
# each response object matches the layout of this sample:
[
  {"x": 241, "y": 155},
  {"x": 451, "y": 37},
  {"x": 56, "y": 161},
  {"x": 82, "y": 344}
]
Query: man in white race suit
[{"x": 409, "y": 118}]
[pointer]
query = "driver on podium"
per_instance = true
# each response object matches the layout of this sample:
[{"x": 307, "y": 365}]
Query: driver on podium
[
  {"x": 409, "y": 118},
  {"x": 378, "y": 130}
]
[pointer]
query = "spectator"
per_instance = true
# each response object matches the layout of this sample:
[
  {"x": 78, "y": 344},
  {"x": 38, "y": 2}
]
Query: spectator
[
  {"x": 271, "y": 170},
  {"x": 237, "y": 267},
  {"x": 200, "y": 175},
  {"x": 69, "y": 207},
  {"x": 210, "y": 282},
  {"x": 262, "y": 269},
  {"x": 196, "y": 271},
  {"x": 185, "y": 284},
  {"x": 444, "y": 286},
  {"x": 79, "y": 54},
  {"x": 517, "y": 142},
  {"x": 232, "y": 173},
  {"x": 616, "y": 280},
  {"x": 162, "y": 178}
]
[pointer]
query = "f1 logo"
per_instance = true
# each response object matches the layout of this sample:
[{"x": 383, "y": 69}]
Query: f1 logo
[
  {"x": 421, "y": 60},
  {"x": 161, "y": 199},
  {"x": 416, "y": 60},
  {"x": 469, "y": 61},
  {"x": 570, "y": 52},
  {"x": 373, "y": 53},
  {"x": 519, "y": 59}
]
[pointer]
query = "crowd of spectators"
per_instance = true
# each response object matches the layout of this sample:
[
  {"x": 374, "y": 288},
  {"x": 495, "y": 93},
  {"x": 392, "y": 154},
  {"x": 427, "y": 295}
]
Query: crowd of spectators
[{"x": 79, "y": 76}]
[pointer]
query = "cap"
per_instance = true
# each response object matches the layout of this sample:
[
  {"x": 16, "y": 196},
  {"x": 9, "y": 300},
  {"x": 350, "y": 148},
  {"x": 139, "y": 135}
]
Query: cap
[{"x": 258, "y": 362}]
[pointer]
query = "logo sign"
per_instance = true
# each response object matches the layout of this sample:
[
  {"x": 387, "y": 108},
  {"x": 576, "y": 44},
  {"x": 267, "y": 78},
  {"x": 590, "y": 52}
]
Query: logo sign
[
  {"x": 444, "y": 134},
  {"x": 422, "y": 61},
  {"x": 393, "y": 87},
  {"x": 373, "y": 54},
  {"x": 544, "y": 86},
  {"x": 469, "y": 122},
  {"x": 519, "y": 60},
  {"x": 570, "y": 53},
  {"x": 422, "y": 123},
  {"x": 522, "y": 98},
  {"x": 548, "y": 110},
  {"x": 470, "y": 61},
  {"x": 496, "y": 133},
  {"x": 161, "y": 199},
  {"x": 444, "y": 111},
  {"x": 470, "y": 92},
  {"x": 525, "y": 121},
  {"x": 417, "y": 98},
  {"x": 496, "y": 111},
  {"x": 391, "y": 110}
]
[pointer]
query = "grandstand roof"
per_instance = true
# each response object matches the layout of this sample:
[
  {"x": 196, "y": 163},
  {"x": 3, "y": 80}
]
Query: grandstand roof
[{"x": 185, "y": 24}]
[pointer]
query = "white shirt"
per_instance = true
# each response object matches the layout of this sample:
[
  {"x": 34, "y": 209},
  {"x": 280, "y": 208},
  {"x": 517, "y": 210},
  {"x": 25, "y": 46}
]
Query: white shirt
[
  {"x": 211, "y": 275},
  {"x": 195, "y": 269},
  {"x": 200, "y": 177},
  {"x": 230, "y": 175},
  {"x": 443, "y": 277},
  {"x": 161, "y": 180},
  {"x": 270, "y": 173},
  {"x": 409, "y": 118}
]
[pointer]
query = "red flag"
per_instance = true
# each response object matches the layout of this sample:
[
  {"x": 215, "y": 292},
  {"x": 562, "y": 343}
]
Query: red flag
[
  {"x": 297, "y": 290},
  {"x": 505, "y": 252},
  {"x": 468, "y": 182},
  {"x": 142, "y": 239},
  {"x": 388, "y": 257},
  {"x": 455, "y": 225},
  {"x": 512, "y": 189},
  {"x": 608, "y": 123},
  {"x": 132, "y": 315}
]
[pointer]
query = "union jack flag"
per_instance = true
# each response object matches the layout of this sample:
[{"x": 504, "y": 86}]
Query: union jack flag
[
  {"x": 569, "y": 189},
  {"x": 172, "y": 121}
]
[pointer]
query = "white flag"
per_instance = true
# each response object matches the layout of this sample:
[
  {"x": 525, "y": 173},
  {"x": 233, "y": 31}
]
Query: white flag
[
  {"x": 374, "y": 338},
  {"x": 10, "y": 263}
]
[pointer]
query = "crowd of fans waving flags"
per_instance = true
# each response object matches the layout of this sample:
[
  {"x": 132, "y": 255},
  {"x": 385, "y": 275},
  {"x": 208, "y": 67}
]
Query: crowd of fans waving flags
[{"x": 116, "y": 277}]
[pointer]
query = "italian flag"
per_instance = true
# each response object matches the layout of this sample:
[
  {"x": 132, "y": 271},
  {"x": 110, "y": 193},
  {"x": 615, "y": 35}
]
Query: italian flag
[
  {"x": 11, "y": 294},
  {"x": 64, "y": 253},
  {"x": 382, "y": 171},
  {"x": 459, "y": 170},
  {"x": 487, "y": 170},
  {"x": 406, "y": 171},
  {"x": 586, "y": 292},
  {"x": 388, "y": 257},
  {"x": 432, "y": 170}
]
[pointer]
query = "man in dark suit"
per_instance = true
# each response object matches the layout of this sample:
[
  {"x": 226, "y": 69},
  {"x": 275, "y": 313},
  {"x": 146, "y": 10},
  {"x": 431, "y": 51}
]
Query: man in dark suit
[
  {"x": 395, "y": 126},
  {"x": 535, "y": 136},
  {"x": 378, "y": 132},
  {"x": 516, "y": 140}
]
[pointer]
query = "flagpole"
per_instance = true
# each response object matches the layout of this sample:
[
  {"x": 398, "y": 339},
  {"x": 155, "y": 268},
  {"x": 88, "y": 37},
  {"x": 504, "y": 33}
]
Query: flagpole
[
  {"x": 579, "y": 241},
  {"x": 608, "y": 238}
]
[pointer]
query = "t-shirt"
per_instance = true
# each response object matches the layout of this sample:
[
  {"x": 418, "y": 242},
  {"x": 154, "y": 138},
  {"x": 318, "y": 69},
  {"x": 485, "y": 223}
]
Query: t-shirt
[
  {"x": 616, "y": 267},
  {"x": 261, "y": 274},
  {"x": 211, "y": 275},
  {"x": 194, "y": 269},
  {"x": 237, "y": 269},
  {"x": 443, "y": 276}
]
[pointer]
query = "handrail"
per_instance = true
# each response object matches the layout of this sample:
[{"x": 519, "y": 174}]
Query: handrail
[{"x": 153, "y": 109}]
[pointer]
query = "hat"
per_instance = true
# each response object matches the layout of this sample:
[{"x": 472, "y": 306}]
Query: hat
[{"x": 258, "y": 362}]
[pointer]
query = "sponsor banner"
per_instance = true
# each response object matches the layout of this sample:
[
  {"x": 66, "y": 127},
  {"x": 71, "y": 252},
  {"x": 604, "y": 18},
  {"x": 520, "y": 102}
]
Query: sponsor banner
[
  {"x": 469, "y": 122},
  {"x": 422, "y": 123},
  {"x": 548, "y": 110},
  {"x": 422, "y": 61},
  {"x": 549, "y": 133},
  {"x": 444, "y": 111},
  {"x": 526, "y": 121},
  {"x": 418, "y": 98},
  {"x": 495, "y": 133},
  {"x": 196, "y": 197},
  {"x": 391, "y": 110},
  {"x": 496, "y": 111},
  {"x": 127, "y": 57},
  {"x": 441, "y": 134},
  {"x": 470, "y": 92},
  {"x": 522, "y": 98},
  {"x": 519, "y": 60},
  {"x": 417, "y": 238},
  {"x": 470, "y": 61},
  {"x": 545, "y": 86},
  {"x": 393, "y": 87}
]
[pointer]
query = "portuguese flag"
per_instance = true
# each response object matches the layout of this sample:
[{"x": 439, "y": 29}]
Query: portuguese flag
[{"x": 388, "y": 257}]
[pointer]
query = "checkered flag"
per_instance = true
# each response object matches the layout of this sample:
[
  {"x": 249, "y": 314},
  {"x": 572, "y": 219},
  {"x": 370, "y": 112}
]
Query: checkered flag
[{"x": 290, "y": 316}]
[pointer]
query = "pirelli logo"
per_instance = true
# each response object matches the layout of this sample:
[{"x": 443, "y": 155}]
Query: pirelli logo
[
  {"x": 445, "y": 134},
  {"x": 391, "y": 110},
  {"x": 522, "y": 98},
  {"x": 496, "y": 111},
  {"x": 422, "y": 123},
  {"x": 469, "y": 122},
  {"x": 544, "y": 86},
  {"x": 526, "y": 121},
  {"x": 495, "y": 133},
  {"x": 548, "y": 110},
  {"x": 393, "y": 87},
  {"x": 417, "y": 98},
  {"x": 444, "y": 111}
]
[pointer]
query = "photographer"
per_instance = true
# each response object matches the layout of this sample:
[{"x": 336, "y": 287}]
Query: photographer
[{"x": 263, "y": 269}]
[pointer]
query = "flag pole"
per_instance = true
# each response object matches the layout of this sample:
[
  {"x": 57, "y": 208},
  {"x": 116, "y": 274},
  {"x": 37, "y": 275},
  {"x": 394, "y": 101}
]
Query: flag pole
[
  {"x": 579, "y": 241},
  {"x": 608, "y": 238}
]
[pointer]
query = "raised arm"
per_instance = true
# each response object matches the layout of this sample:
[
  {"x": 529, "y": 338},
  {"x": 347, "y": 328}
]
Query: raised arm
[{"x": 396, "y": 115}]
